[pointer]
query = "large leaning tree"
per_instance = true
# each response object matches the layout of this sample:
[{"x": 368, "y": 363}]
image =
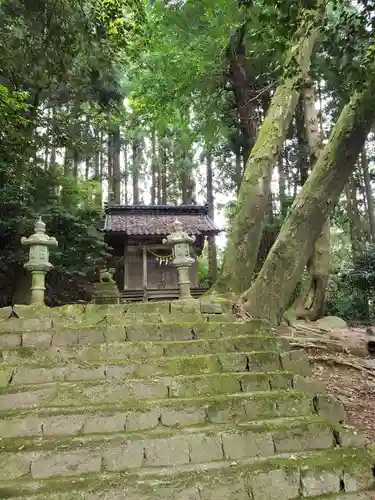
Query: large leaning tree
[
  {"x": 246, "y": 230},
  {"x": 270, "y": 293},
  {"x": 238, "y": 75}
]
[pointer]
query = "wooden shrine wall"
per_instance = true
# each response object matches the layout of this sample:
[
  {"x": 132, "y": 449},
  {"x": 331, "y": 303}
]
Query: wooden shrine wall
[{"x": 158, "y": 276}]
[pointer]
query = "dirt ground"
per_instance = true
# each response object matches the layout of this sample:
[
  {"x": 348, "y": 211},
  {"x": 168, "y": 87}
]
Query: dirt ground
[
  {"x": 342, "y": 362},
  {"x": 355, "y": 389}
]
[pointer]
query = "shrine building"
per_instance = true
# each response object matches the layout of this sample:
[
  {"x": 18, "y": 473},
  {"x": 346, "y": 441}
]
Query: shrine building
[{"x": 142, "y": 263}]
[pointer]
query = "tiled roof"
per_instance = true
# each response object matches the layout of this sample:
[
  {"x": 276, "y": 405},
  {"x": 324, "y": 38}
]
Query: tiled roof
[{"x": 148, "y": 220}]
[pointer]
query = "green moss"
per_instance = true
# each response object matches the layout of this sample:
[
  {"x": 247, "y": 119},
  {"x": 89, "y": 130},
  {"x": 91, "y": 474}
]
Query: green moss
[
  {"x": 94, "y": 441},
  {"x": 177, "y": 481},
  {"x": 26, "y": 352},
  {"x": 50, "y": 409}
]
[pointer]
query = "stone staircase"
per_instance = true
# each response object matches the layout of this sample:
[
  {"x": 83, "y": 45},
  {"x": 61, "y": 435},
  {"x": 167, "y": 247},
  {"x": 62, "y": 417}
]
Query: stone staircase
[{"x": 166, "y": 401}]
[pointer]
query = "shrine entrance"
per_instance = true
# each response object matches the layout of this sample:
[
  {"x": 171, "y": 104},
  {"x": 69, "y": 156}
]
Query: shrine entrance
[{"x": 143, "y": 264}]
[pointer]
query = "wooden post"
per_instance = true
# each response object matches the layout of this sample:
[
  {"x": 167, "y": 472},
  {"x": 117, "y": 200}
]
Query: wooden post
[
  {"x": 126, "y": 266},
  {"x": 144, "y": 272}
]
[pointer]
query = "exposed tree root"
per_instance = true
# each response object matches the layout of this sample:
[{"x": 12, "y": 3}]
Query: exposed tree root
[
  {"x": 241, "y": 313},
  {"x": 341, "y": 362},
  {"x": 329, "y": 345},
  {"x": 307, "y": 345}
]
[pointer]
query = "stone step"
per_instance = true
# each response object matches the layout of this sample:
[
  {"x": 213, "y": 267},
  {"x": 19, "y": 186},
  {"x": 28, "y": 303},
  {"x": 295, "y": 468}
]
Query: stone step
[
  {"x": 122, "y": 350},
  {"x": 114, "y": 318},
  {"x": 70, "y": 421},
  {"x": 255, "y": 362},
  {"x": 63, "y": 420},
  {"x": 95, "y": 414},
  {"x": 45, "y": 457},
  {"x": 330, "y": 472},
  {"x": 288, "y": 433},
  {"x": 86, "y": 313},
  {"x": 113, "y": 494},
  {"x": 17, "y": 334},
  {"x": 359, "y": 495},
  {"x": 110, "y": 377}
]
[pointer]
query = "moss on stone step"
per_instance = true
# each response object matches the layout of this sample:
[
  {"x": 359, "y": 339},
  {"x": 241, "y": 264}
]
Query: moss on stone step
[
  {"x": 108, "y": 332},
  {"x": 218, "y": 408},
  {"x": 263, "y": 362},
  {"x": 116, "y": 452},
  {"x": 171, "y": 387},
  {"x": 86, "y": 314},
  {"x": 281, "y": 479},
  {"x": 120, "y": 350},
  {"x": 288, "y": 435},
  {"x": 167, "y": 396}
]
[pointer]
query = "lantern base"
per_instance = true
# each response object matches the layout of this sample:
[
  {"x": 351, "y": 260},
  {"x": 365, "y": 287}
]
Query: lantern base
[{"x": 37, "y": 287}]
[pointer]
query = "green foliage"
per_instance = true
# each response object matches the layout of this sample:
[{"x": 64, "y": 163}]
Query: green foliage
[
  {"x": 347, "y": 302},
  {"x": 203, "y": 271},
  {"x": 122, "y": 19},
  {"x": 352, "y": 284},
  {"x": 81, "y": 247},
  {"x": 58, "y": 73}
]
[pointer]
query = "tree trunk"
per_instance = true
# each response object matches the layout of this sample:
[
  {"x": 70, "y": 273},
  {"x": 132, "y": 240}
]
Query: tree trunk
[
  {"x": 126, "y": 172},
  {"x": 116, "y": 141},
  {"x": 244, "y": 94},
  {"x": 110, "y": 154},
  {"x": 303, "y": 143},
  {"x": 185, "y": 180},
  {"x": 88, "y": 158},
  {"x": 68, "y": 174},
  {"x": 269, "y": 208},
  {"x": 310, "y": 303},
  {"x": 273, "y": 288},
  {"x": 357, "y": 239},
  {"x": 75, "y": 164},
  {"x": 153, "y": 169},
  {"x": 212, "y": 250},
  {"x": 369, "y": 194},
  {"x": 245, "y": 233},
  {"x": 158, "y": 179},
  {"x": 162, "y": 172},
  {"x": 52, "y": 163},
  {"x": 97, "y": 174},
  {"x": 238, "y": 170},
  {"x": 101, "y": 163},
  {"x": 185, "y": 177},
  {"x": 135, "y": 170},
  {"x": 282, "y": 188},
  {"x": 311, "y": 300}
]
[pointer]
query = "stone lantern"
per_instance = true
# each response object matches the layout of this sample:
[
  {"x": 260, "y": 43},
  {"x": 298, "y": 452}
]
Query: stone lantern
[
  {"x": 180, "y": 242},
  {"x": 38, "y": 263}
]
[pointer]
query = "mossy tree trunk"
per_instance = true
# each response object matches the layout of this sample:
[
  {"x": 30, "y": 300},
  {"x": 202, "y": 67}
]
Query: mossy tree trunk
[
  {"x": 311, "y": 300},
  {"x": 273, "y": 288},
  {"x": 246, "y": 229}
]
